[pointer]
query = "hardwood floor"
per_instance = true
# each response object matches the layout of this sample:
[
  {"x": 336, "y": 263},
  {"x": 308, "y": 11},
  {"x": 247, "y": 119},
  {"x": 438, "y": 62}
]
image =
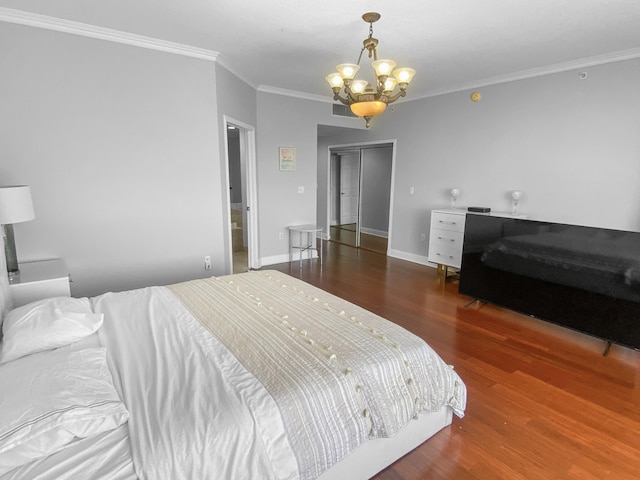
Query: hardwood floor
[
  {"x": 347, "y": 234},
  {"x": 543, "y": 403}
]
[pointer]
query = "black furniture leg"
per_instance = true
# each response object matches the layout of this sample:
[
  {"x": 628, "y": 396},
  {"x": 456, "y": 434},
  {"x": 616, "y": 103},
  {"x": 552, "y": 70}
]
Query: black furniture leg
[
  {"x": 607, "y": 347},
  {"x": 475, "y": 301}
]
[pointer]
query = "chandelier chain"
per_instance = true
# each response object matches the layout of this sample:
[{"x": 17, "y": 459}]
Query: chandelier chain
[{"x": 367, "y": 47}]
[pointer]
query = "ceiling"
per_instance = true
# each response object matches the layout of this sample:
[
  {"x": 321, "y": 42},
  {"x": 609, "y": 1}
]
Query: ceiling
[{"x": 453, "y": 44}]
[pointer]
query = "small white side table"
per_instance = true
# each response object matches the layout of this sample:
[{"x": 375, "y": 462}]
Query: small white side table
[
  {"x": 306, "y": 236},
  {"x": 38, "y": 280}
]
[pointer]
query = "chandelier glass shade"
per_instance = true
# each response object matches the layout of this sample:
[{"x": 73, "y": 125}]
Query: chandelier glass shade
[{"x": 368, "y": 100}]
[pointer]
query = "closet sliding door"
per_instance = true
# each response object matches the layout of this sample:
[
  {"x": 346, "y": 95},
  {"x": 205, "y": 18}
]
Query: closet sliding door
[{"x": 360, "y": 192}]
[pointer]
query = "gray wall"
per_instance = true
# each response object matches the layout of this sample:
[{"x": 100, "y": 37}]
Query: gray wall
[
  {"x": 288, "y": 121},
  {"x": 120, "y": 147},
  {"x": 572, "y": 146},
  {"x": 235, "y": 100}
]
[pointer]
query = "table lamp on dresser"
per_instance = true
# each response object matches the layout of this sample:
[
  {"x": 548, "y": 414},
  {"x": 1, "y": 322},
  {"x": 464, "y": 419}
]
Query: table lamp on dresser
[{"x": 16, "y": 206}]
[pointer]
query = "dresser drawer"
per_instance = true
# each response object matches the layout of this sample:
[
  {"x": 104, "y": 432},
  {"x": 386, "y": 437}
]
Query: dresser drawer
[
  {"x": 446, "y": 238},
  {"x": 448, "y": 221},
  {"x": 445, "y": 255}
]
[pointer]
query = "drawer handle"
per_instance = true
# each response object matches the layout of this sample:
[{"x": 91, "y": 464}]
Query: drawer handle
[
  {"x": 450, "y": 223},
  {"x": 450, "y": 239}
]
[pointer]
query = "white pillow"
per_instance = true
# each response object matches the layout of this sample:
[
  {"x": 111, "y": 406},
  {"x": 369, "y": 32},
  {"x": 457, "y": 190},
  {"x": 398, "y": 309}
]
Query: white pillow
[
  {"x": 45, "y": 325},
  {"x": 52, "y": 398}
]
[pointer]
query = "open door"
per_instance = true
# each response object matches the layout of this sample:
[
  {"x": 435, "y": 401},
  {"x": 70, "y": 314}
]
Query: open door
[{"x": 241, "y": 180}]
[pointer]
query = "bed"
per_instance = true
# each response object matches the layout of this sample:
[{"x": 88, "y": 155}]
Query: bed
[{"x": 255, "y": 375}]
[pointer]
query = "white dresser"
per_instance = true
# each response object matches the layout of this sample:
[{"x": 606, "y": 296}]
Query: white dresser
[{"x": 446, "y": 236}]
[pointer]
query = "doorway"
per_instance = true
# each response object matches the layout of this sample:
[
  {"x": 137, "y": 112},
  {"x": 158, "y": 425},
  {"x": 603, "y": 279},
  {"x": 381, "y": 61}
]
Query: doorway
[
  {"x": 345, "y": 195},
  {"x": 240, "y": 150},
  {"x": 360, "y": 181}
]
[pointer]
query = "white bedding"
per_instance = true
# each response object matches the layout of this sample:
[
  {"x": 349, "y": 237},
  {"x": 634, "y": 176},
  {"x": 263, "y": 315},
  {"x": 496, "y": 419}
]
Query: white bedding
[
  {"x": 192, "y": 407},
  {"x": 106, "y": 456},
  {"x": 195, "y": 412},
  {"x": 57, "y": 397},
  {"x": 339, "y": 374}
]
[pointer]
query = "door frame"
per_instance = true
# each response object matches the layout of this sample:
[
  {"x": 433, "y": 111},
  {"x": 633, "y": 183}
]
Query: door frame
[
  {"x": 359, "y": 145},
  {"x": 248, "y": 156}
]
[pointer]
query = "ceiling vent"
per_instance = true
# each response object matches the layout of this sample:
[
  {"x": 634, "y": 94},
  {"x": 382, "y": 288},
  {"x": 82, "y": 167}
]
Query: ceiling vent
[{"x": 342, "y": 110}]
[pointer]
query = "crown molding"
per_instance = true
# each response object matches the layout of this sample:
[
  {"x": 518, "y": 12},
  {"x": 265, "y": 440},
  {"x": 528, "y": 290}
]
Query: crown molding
[
  {"x": 222, "y": 61},
  {"x": 486, "y": 82},
  {"x": 76, "y": 28},
  {"x": 595, "y": 61},
  {"x": 312, "y": 96},
  {"x": 294, "y": 93}
]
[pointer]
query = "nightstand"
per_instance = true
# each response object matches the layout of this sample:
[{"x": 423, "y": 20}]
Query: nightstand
[{"x": 38, "y": 280}]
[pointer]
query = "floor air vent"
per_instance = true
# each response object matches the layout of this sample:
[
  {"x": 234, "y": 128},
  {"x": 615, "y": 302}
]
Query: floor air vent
[{"x": 342, "y": 110}]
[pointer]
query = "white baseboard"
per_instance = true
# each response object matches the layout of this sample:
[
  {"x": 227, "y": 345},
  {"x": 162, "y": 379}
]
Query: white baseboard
[
  {"x": 275, "y": 259},
  {"x": 411, "y": 257},
  {"x": 284, "y": 258},
  {"x": 373, "y": 231}
]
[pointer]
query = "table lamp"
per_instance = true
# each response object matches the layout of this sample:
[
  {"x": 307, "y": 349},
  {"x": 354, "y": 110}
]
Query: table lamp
[
  {"x": 15, "y": 207},
  {"x": 455, "y": 193},
  {"x": 516, "y": 196}
]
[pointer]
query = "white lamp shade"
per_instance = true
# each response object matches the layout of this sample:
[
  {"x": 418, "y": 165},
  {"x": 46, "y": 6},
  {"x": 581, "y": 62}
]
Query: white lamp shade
[
  {"x": 359, "y": 86},
  {"x": 404, "y": 75},
  {"x": 15, "y": 204},
  {"x": 383, "y": 67},
  {"x": 335, "y": 80},
  {"x": 390, "y": 84},
  {"x": 348, "y": 70}
]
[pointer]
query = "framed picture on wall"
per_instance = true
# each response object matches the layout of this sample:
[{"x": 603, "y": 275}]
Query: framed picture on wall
[{"x": 287, "y": 159}]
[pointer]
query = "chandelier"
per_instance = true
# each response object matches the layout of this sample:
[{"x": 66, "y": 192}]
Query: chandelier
[{"x": 366, "y": 100}]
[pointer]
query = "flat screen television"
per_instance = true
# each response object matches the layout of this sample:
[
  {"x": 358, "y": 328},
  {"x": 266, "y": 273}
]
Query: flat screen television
[{"x": 583, "y": 278}]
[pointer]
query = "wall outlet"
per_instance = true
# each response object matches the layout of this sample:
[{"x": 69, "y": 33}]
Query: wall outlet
[
  {"x": 423, "y": 237},
  {"x": 207, "y": 262},
  {"x": 281, "y": 236},
  {"x": 301, "y": 189}
]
